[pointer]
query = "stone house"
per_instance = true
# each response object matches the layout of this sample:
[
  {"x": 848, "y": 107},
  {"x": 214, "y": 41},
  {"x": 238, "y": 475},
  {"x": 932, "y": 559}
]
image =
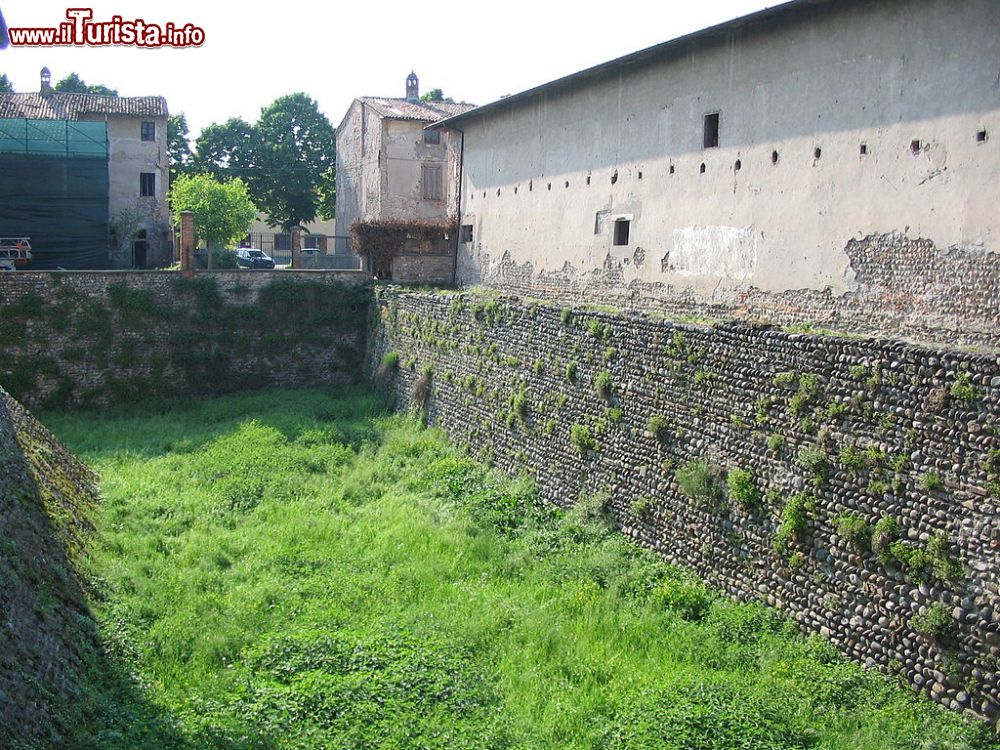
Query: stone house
[
  {"x": 819, "y": 162},
  {"x": 390, "y": 167},
  {"x": 134, "y": 135}
]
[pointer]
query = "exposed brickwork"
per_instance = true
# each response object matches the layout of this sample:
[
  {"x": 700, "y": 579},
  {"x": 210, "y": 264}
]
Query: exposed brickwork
[
  {"x": 906, "y": 288},
  {"x": 870, "y": 427},
  {"x": 423, "y": 268},
  {"x": 102, "y": 337}
]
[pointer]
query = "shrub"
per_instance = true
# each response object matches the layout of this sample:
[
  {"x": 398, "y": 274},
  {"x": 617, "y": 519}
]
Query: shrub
[
  {"x": 603, "y": 384},
  {"x": 785, "y": 379},
  {"x": 571, "y": 371},
  {"x": 814, "y": 461},
  {"x": 935, "y": 622},
  {"x": 615, "y": 414},
  {"x": 852, "y": 527},
  {"x": 688, "y": 598},
  {"x": 701, "y": 480},
  {"x": 885, "y": 533},
  {"x": 962, "y": 389},
  {"x": 742, "y": 489},
  {"x": 858, "y": 372},
  {"x": 658, "y": 427},
  {"x": 793, "y": 523},
  {"x": 519, "y": 403},
  {"x": 390, "y": 360},
  {"x": 583, "y": 441},
  {"x": 641, "y": 507},
  {"x": 775, "y": 442},
  {"x": 566, "y": 315},
  {"x": 592, "y": 507}
]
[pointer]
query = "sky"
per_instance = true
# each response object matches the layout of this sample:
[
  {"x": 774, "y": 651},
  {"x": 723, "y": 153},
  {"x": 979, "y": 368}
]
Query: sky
[{"x": 337, "y": 51}]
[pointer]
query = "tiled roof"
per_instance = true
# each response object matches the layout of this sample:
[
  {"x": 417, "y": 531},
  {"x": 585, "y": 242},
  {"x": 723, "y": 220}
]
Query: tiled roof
[
  {"x": 404, "y": 109},
  {"x": 56, "y": 106}
]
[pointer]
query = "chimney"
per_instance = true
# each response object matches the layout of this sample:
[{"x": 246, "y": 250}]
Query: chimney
[
  {"x": 46, "y": 81},
  {"x": 412, "y": 88}
]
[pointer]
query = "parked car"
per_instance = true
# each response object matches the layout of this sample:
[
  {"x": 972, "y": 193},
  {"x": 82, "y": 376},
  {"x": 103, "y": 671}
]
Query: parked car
[{"x": 248, "y": 257}]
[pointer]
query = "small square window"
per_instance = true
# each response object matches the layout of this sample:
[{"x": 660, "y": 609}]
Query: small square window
[
  {"x": 621, "y": 231},
  {"x": 466, "y": 233},
  {"x": 432, "y": 137},
  {"x": 147, "y": 184},
  {"x": 148, "y": 131},
  {"x": 711, "y": 130}
]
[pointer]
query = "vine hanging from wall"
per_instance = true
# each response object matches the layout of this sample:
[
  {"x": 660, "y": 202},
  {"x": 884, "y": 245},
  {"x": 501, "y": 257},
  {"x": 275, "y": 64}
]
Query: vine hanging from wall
[{"x": 381, "y": 240}]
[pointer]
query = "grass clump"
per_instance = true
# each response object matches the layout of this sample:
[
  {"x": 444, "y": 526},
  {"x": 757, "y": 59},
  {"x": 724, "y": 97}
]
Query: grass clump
[
  {"x": 815, "y": 462},
  {"x": 934, "y": 622},
  {"x": 581, "y": 438},
  {"x": 702, "y": 481},
  {"x": 571, "y": 371},
  {"x": 658, "y": 427},
  {"x": 962, "y": 389},
  {"x": 793, "y": 525},
  {"x": 742, "y": 489},
  {"x": 853, "y": 528},
  {"x": 603, "y": 384}
]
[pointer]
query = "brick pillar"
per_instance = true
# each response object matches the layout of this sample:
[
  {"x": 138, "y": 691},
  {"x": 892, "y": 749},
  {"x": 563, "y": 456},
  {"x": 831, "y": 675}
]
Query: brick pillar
[
  {"x": 187, "y": 243},
  {"x": 296, "y": 247}
]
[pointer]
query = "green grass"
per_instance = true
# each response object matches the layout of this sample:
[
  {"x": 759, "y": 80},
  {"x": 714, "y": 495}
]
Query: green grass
[{"x": 300, "y": 570}]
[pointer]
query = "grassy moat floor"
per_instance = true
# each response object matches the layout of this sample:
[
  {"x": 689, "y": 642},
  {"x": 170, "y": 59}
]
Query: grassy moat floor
[{"x": 303, "y": 570}]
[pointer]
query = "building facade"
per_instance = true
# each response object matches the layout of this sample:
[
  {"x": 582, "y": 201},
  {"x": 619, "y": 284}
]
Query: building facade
[
  {"x": 830, "y": 163},
  {"x": 389, "y": 166},
  {"x": 135, "y": 130}
]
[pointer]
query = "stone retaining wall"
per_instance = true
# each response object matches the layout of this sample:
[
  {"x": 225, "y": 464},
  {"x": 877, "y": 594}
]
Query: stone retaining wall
[
  {"x": 763, "y": 460},
  {"x": 100, "y": 337}
]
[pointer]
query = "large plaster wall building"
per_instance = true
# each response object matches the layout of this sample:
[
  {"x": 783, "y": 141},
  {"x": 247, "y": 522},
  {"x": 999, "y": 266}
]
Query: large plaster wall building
[
  {"x": 825, "y": 162},
  {"x": 390, "y": 167}
]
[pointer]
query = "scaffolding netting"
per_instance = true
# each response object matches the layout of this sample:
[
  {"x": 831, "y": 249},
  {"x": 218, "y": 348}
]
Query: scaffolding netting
[{"x": 54, "y": 189}]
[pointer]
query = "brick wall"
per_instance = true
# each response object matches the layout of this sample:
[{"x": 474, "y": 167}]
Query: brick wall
[
  {"x": 834, "y": 434},
  {"x": 103, "y": 337}
]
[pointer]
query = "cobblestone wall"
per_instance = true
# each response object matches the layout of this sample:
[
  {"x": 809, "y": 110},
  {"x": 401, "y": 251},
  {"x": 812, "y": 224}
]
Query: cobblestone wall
[
  {"x": 102, "y": 337},
  {"x": 853, "y": 483}
]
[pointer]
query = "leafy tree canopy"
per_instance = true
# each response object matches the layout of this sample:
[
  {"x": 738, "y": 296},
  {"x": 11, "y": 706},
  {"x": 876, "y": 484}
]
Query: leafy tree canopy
[
  {"x": 223, "y": 211},
  {"x": 287, "y": 159},
  {"x": 178, "y": 145},
  {"x": 73, "y": 84},
  {"x": 436, "y": 95},
  {"x": 6, "y": 87}
]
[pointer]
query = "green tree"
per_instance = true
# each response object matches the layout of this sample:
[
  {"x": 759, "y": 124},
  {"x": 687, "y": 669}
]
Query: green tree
[
  {"x": 223, "y": 211},
  {"x": 296, "y": 153},
  {"x": 73, "y": 84},
  {"x": 227, "y": 150},
  {"x": 436, "y": 95},
  {"x": 287, "y": 159},
  {"x": 178, "y": 145},
  {"x": 6, "y": 87}
]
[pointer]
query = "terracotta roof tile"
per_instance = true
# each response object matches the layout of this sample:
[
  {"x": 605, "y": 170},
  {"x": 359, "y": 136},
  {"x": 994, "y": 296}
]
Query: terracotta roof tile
[{"x": 58, "y": 106}]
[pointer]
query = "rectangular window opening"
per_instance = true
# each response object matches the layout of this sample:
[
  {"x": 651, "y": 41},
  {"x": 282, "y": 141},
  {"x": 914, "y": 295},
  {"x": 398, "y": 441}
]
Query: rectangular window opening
[
  {"x": 431, "y": 183},
  {"x": 148, "y": 131},
  {"x": 621, "y": 231},
  {"x": 432, "y": 137},
  {"x": 147, "y": 184},
  {"x": 466, "y": 233},
  {"x": 712, "y": 130}
]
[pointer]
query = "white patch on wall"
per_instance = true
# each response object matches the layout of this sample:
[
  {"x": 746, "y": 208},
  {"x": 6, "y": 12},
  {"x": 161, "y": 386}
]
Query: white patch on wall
[{"x": 723, "y": 252}]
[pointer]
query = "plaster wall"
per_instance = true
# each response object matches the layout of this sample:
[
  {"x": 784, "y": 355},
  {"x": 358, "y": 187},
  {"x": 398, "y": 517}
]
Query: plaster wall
[
  {"x": 128, "y": 156},
  {"x": 772, "y": 209}
]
